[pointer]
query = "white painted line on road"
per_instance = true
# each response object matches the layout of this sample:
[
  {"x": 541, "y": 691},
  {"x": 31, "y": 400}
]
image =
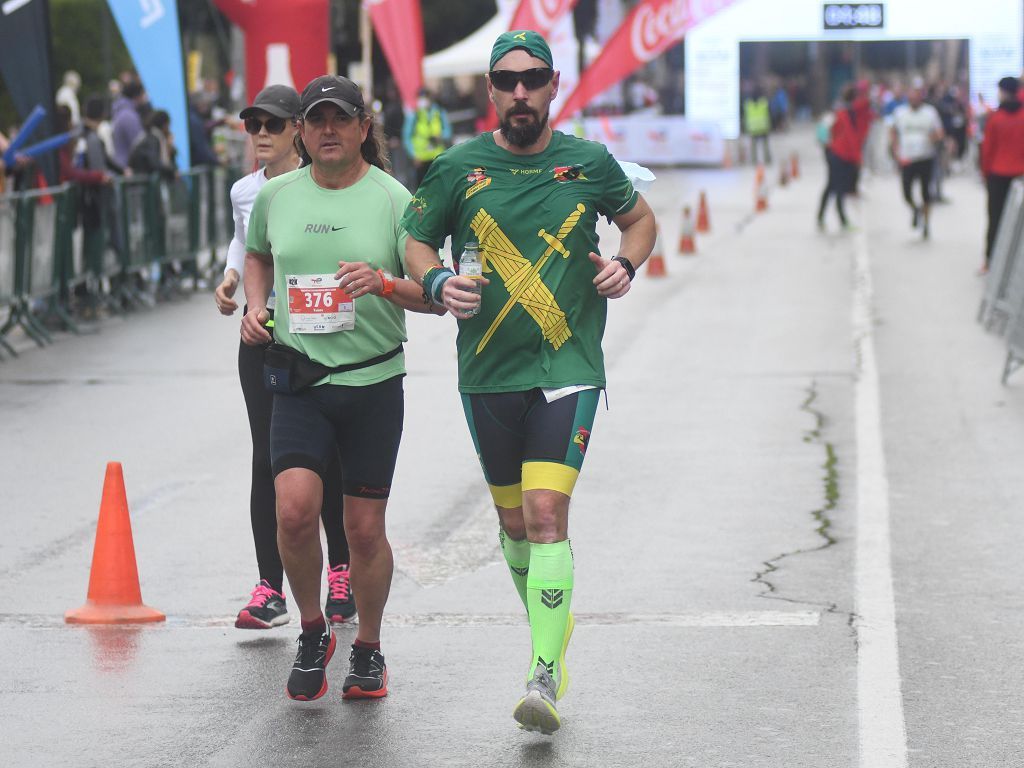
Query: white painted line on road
[
  {"x": 713, "y": 619},
  {"x": 721, "y": 619},
  {"x": 882, "y": 730}
]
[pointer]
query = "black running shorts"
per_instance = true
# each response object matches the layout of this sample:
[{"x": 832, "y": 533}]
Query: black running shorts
[{"x": 364, "y": 424}]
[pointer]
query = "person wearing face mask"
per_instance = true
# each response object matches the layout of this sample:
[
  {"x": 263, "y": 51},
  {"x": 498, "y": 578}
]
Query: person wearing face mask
[
  {"x": 531, "y": 366},
  {"x": 271, "y": 124},
  {"x": 426, "y": 133}
]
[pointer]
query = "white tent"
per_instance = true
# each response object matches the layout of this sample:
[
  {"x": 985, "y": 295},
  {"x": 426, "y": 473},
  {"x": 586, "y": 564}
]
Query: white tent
[{"x": 469, "y": 55}]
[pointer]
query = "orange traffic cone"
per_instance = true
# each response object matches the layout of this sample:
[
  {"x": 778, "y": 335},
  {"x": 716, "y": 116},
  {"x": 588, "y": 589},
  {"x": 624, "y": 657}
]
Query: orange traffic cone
[
  {"x": 656, "y": 261},
  {"x": 783, "y": 175},
  {"x": 114, "y": 594},
  {"x": 686, "y": 241},
  {"x": 760, "y": 190},
  {"x": 703, "y": 219},
  {"x": 794, "y": 166}
]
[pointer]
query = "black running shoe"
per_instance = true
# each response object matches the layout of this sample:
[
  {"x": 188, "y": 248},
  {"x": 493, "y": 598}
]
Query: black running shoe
[
  {"x": 367, "y": 675},
  {"x": 340, "y": 606},
  {"x": 308, "y": 679},
  {"x": 916, "y": 218},
  {"x": 266, "y": 609}
]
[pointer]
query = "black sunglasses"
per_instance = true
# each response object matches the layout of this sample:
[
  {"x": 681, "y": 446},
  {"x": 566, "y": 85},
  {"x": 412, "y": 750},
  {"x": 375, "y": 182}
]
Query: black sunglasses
[
  {"x": 274, "y": 125},
  {"x": 532, "y": 79}
]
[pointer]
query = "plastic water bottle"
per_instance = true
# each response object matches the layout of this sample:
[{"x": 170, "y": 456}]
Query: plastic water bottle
[{"x": 472, "y": 267}]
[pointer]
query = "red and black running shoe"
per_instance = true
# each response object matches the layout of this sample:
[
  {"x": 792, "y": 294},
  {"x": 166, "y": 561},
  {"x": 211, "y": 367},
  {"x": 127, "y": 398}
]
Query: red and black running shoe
[
  {"x": 308, "y": 679},
  {"x": 367, "y": 675}
]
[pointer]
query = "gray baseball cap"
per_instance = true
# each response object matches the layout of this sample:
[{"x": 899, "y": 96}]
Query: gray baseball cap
[{"x": 277, "y": 100}]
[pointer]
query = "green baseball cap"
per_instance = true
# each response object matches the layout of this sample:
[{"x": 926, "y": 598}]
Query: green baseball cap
[{"x": 531, "y": 42}]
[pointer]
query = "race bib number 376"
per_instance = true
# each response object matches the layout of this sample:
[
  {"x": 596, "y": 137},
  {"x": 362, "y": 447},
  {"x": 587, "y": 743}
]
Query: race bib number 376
[{"x": 316, "y": 304}]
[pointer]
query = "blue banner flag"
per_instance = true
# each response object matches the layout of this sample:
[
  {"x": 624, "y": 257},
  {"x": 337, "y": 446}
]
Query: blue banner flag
[{"x": 150, "y": 31}]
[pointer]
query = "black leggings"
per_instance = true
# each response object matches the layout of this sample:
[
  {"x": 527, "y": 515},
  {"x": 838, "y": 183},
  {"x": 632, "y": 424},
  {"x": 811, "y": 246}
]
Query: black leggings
[
  {"x": 998, "y": 189},
  {"x": 259, "y": 404},
  {"x": 841, "y": 179},
  {"x": 919, "y": 169}
]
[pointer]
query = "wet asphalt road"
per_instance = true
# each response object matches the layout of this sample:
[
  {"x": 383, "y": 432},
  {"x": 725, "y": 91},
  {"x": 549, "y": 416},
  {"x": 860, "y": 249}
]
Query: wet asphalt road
[{"x": 714, "y": 526}]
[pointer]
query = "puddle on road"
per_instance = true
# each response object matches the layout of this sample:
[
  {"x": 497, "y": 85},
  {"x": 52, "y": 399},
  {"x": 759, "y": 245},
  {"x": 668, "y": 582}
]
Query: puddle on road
[{"x": 821, "y": 516}]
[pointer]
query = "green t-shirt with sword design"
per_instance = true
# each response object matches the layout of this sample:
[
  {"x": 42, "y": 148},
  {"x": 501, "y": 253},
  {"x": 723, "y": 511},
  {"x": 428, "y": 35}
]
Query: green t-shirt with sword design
[{"x": 541, "y": 319}]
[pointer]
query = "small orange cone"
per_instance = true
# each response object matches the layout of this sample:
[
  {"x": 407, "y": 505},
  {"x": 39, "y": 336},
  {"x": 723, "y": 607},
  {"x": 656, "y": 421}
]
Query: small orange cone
[
  {"x": 686, "y": 241},
  {"x": 114, "y": 594},
  {"x": 794, "y": 166},
  {"x": 656, "y": 261},
  {"x": 703, "y": 219},
  {"x": 760, "y": 190}
]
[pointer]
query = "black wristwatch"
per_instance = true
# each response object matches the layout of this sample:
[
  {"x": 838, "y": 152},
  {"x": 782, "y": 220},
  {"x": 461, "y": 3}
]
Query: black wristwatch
[{"x": 630, "y": 269}]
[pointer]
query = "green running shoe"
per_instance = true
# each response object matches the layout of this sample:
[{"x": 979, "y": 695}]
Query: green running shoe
[{"x": 536, "y": 710}]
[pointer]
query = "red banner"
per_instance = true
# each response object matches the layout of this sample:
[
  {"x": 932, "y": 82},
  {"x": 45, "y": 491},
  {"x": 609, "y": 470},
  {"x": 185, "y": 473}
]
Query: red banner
[
  {"x": 399, "y": 28},
  {"x": 285, "y": 40},
  {"x": 540, "y": 15},
  {"x": 651, "y": 28}
]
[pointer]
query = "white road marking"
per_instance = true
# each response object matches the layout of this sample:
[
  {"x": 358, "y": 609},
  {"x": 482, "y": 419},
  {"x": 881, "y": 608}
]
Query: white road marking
[
  {"x": 709, "y": 620},
  {"x": 882, "y": 730}
]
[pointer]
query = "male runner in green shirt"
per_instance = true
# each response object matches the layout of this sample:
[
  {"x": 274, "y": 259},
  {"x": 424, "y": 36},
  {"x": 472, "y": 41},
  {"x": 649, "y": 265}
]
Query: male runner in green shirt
[{"x": 530, "y": 363}]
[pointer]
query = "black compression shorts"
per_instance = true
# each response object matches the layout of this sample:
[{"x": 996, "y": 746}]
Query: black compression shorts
[
  {"x": 526, "y": 443},
  {"x": 364, "y": 424}
]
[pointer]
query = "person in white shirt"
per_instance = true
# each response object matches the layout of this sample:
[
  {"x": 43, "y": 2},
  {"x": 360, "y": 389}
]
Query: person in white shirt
[
  {"x": 915, "y": 134},
  {"x": 270, "y": 122}
]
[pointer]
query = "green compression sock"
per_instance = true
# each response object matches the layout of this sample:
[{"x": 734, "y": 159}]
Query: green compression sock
[
  {"x": 548, "y": 594},
  {"x": 517, "y": 555}
]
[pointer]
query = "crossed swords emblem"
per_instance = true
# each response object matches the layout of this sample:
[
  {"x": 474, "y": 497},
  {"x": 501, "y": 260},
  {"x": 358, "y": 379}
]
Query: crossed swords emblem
[{"x": 522, "y": 278}]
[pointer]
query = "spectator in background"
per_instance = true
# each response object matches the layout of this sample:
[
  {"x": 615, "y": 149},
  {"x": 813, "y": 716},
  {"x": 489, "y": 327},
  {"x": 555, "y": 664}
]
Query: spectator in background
[
  {"x": 757, "y": 121},
  {"x": 779, "y": 108},
  {"x": 393, "y": 119},
  {"x": 67, "y": 95},
  {"x": 843, "y": 153},
  {"x": 126, "y": 124},
  {"x": 155, "y": 152},
  {"x": 1002, "y": 156},
  {"x": 200, "y": 125},
  {"x": 97, "y": 209},
  {"x": 426, "y": 133}
]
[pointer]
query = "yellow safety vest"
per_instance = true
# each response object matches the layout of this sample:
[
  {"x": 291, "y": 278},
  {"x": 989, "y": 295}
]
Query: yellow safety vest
[
  {"x": 757, "y": 116},
  {"x": 426, "y": 134}
]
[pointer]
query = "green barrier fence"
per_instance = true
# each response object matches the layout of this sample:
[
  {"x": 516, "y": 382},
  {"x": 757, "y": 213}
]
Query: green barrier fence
[{"x": 146, "y": 227}]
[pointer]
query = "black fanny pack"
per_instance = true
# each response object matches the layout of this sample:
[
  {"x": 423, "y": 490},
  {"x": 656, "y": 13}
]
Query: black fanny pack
[{"x": 288, "y": 371}]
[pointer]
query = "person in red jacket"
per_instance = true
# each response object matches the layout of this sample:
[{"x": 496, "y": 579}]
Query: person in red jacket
[
  {"x": 1002, "y": 156},
  {"x": 844, "y": 155}
]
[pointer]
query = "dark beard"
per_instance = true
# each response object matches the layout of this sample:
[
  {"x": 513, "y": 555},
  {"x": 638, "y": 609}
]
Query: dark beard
[{"x": 523, "y": 135}]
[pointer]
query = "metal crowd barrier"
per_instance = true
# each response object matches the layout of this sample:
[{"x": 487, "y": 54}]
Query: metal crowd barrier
[
  {"x": 146, "y": 223},
  {"x": 1000, "y": 303}
]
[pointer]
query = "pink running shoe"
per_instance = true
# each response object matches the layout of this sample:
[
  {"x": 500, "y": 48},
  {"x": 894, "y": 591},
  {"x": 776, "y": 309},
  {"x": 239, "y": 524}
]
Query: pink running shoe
[
  {"x": 266, "y": 609},
  {"x": 340, "y": 606}
]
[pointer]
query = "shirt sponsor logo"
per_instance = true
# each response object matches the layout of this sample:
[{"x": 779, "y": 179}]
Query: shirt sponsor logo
[
  {"x": 564, "y": 173},
  {"x": 525, "y": 171},
  {"x": 320, "y": 229},
  {"x": 418, "y": 204},
  {"x": 477, "y": 179}
]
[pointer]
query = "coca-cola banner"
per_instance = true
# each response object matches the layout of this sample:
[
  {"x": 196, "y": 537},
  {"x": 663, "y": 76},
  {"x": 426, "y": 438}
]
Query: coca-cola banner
[
  {"x": 285, "y": 40},
  {"x": 398, "y": 25},
  {"x": 651, "y": 28},
  {"x": 540, "y": 15}
]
